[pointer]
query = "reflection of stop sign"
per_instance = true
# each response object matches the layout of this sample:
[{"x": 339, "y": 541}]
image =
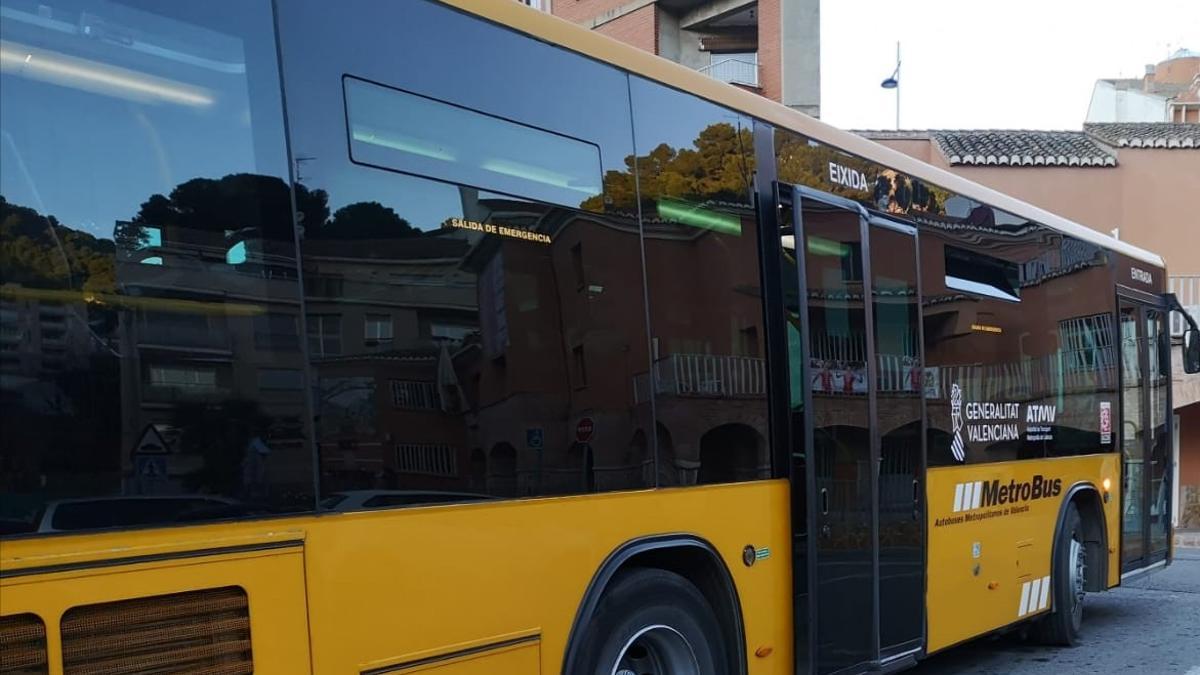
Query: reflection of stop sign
[{"x": 583, "y": 430}]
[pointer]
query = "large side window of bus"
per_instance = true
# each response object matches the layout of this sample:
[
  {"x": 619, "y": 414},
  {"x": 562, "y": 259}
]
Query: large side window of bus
[
  {"x": 1020, "y": 360},
  {"x": 473, "y": 284},
  {"x": 695, "y": 177},
  {"x": 150, "y": 362}
]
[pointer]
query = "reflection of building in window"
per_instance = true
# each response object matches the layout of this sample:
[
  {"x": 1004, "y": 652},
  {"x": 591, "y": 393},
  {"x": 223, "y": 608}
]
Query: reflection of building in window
[
  {"x": 325, "y": 334},
  {"x": 580, "y": 364},
  {"x": 1086, "y": 343},
  {"x": 492, "y": 316},
  {"x": 377, "y": 329},
  {"x": 448, "y": 331},
  {"x": 276, "y": 331},
  {"x": 183, "y": 378},
  {"x": 414, "y": 395},
  {"x": 280, "y": 379},
  {"x": 324, "y": 285},
  {"x": 430, "y": 459}
]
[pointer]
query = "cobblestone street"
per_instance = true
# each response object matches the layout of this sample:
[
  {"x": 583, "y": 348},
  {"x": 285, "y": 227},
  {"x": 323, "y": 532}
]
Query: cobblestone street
[{"x": 1151, "y": 626}]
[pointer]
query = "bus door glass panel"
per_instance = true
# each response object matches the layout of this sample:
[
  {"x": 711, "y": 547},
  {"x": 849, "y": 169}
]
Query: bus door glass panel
[
  {"x": 1145, "y": 447},
  {"x": 838, "y": 359},
  {"x": 898, "y": 389},
  {"x": 1132, "y": 439},
  {"x": 1158, "y": 465},
  {"x": 797, "y": 381}
]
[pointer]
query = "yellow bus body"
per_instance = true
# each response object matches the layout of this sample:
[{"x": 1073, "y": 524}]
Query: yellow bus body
[
  {"x": 978, "y": 567},
  {"x": 370, "y": 590}
]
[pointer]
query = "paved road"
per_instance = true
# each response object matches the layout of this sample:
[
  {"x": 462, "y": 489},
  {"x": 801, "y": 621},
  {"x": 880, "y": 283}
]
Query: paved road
[{"x": 1150, "y": 626}]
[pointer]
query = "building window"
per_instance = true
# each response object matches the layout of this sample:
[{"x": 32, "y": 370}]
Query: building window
[
  {"x": 276, "y": 331},
  {"x": 325, "y": 286},
  {"x": 377, "y": 329},
  {"x": 1087, "y": 343},
  {"x": 733, "y": 67},
  {"x": 183, "y": 378},
  {"x": 429, "y": 459},
  {"x": 325, "y": 334},
  {"x": 449, "y": 331},
  {"x": 280, "y": 379},
  {"x": 414, "y": 395}
]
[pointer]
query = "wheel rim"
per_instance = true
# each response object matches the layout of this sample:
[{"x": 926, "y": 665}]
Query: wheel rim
[
  {"x": 656, "y": 650},
  {"x": 1078, "y": 573}
]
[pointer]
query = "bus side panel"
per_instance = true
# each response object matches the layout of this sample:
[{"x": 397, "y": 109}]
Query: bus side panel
[
  {"x": 271, "y": 582},
  {"x": 991, "y": 535},
  {"x": 388, "y": 588}
]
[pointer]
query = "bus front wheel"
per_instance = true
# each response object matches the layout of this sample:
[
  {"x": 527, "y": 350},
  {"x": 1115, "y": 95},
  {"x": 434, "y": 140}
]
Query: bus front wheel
[
  {"x": 1068, "y": 575},
  {"x": 652, "y": 621}
]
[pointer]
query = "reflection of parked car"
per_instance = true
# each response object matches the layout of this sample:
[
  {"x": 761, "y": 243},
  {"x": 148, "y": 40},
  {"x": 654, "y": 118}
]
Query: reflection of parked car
[
  {"x": 103, "y": 512},
  {"x": 354, "y": 500}
]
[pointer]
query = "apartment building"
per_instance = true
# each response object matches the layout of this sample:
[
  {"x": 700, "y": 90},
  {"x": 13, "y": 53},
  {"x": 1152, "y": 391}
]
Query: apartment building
[{"x": 772, "y": 47}]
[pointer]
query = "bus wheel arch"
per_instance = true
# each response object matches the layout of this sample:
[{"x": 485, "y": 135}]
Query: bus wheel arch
[
  {"x": 1080, "y": 543},
  {"x": 686, "y": 555},
  {"x": 1088, "y": 502}
]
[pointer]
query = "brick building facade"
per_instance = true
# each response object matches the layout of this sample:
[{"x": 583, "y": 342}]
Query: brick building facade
[{"x": 771, "y": 47}]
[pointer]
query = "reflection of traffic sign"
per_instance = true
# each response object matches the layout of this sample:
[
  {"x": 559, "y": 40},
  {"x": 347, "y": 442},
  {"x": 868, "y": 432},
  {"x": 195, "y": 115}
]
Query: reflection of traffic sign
[
  {"x": 535, "y": 438},
  {"x": 584, "y": 430},
  {"x": 151, "y": 443},
  {"x": 151, "y": 467}
]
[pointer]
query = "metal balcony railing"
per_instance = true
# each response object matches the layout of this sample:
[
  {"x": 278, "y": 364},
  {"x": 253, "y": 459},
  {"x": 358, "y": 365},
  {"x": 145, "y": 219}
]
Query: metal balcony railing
[
  {"x": 705, "y": 375},
  {"x": 734, "y": 71},
  {"x": 1187, "y": 289}
]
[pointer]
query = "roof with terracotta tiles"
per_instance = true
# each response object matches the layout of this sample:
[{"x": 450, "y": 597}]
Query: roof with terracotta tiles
[{"x": 1146, "y": 134}]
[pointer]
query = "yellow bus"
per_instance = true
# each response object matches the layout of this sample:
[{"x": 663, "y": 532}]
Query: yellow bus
[{"x": 448, "y": 337}]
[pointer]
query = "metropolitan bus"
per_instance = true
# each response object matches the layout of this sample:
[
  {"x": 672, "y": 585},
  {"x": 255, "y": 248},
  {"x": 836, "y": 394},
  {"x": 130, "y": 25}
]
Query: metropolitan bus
[{"x": 449, "y": 337}]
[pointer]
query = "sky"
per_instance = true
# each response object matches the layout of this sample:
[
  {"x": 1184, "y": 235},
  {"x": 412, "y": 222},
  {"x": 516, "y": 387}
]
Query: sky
[{"x": 970, "y": 64}]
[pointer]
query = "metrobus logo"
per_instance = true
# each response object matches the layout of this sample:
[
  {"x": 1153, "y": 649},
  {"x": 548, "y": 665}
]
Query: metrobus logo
[{"x": 969, "y": 496}]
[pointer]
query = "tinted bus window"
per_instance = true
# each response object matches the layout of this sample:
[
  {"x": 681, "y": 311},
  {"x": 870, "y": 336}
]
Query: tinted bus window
[
  {"x": 1018, "y": 337},
  {"x": 476, "y": 332},
  {"x": 394, "y": 129},
  {"x": 695, "y": 169},
  {"x": 147, "y": 234}
]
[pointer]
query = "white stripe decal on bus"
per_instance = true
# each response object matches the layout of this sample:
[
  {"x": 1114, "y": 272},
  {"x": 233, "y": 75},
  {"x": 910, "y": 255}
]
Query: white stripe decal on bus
[
  {"x": 978, "y": 494},
  {"x": 1035, "y": 595},
  {"x": 958, "y": 495}
]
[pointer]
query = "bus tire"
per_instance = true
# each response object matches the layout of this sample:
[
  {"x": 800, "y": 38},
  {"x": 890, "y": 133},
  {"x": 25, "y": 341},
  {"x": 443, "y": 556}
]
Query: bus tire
[
  {"x": 652, "y": 621},
  {"x": 1068, "y": 578}
]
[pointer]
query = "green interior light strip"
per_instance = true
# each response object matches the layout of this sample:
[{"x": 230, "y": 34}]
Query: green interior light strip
[{"x": 696, "y": 215}]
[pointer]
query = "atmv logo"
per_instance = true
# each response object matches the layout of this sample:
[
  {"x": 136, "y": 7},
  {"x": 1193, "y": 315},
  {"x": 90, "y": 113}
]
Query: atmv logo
[{"x": 979, "y": 494}]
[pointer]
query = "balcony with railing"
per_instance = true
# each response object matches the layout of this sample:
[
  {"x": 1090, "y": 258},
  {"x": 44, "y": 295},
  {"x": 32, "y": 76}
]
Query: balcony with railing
[
  {"x": 1187, "y": 288},
  {"x": 735, "y": 69},
  {"x": 704, "y": 376}
]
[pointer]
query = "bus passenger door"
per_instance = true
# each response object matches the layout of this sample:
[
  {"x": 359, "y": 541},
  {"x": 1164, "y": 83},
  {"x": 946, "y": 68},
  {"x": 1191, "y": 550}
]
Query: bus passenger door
[
  {"x": 899, "y": 432},
  {"x": 1145, "y": 435},
  {"x": 860, "y": 366}
]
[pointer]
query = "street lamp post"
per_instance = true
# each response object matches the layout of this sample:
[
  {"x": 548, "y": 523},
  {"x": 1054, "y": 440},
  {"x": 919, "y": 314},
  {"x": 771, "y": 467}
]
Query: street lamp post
[{"x": 893, "y": 82}]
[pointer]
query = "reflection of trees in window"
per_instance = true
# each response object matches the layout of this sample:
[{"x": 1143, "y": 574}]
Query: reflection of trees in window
[
  {"x": 804, "y": 163},
  {"x": 718, "y": 167},
  {"x": 39, "y": 252}
]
